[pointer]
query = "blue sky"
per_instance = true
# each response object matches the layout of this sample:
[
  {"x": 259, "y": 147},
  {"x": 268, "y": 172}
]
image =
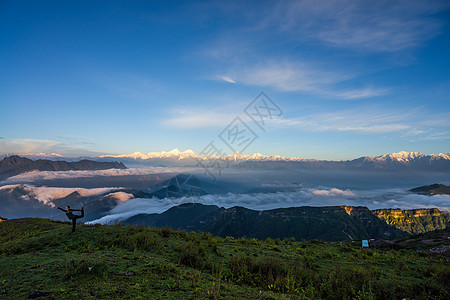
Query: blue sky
[{"x": 352, "y": 78}]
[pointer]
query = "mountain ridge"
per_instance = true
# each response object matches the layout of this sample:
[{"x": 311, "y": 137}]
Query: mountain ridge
[
  {"x": 306, "y": 222},
  {"x": 401, "y": 156},
  {"x": 432, "y": 189},
  {"x": 14, "y": 165},
  {"x": 394, "y": 161}
]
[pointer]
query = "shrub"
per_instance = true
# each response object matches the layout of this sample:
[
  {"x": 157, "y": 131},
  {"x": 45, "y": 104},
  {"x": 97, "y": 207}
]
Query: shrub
[
  {"x": 165, "y": 231},
  {"x": 191, "y": 255}
]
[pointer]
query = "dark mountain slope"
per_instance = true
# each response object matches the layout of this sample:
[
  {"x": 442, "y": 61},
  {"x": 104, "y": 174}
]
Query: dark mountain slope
[
  {"x": 324, "y": 223},
  {"x": 181, "y": 185},
  {"x": 14, "y": 165},
  {"x": 190, "y": 216},
  {"x": 432, "y": 189}
]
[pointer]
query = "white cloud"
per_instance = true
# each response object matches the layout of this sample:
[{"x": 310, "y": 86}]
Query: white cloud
[
  {"x": 226, "y": 79},
  {"x": 9, "y": 187},
  {"x": 334, "y": 192},
  {"x": 372, "y": 120},
  {"x": 50, "y": 175},
  {"x": 26, "y": 146},
  {"x": 122, "y": 196},
  {"x": 48, "y": 194}
]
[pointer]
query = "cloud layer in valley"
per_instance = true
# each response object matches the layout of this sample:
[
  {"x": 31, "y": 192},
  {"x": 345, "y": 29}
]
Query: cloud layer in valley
[
  {"x": 373, "y": 199},
  {"x": 48, "y": 194},
  {"x": 51, "y": 175}
]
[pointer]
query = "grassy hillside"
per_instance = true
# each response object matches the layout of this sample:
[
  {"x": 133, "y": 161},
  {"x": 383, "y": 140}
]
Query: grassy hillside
[{"x": 39, "y": 255}]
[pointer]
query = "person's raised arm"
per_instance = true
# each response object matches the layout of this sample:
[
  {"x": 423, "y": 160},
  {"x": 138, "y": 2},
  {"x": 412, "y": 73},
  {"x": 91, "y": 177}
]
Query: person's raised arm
[{"x": 61, "y": 209}]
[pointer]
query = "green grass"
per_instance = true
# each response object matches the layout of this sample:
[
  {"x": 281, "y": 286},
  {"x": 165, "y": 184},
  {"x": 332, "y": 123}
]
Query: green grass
[{"x": 92, "y": 263}]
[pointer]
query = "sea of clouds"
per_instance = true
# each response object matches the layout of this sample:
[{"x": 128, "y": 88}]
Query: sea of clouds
[
  {"x": 52, "y": 175},
  {"x": 48, "y": 194},
  {"x": 373, "y": 199}
]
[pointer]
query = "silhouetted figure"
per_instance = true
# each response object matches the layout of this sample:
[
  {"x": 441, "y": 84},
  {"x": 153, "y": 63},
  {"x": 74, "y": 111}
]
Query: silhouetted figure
[{"x": 71, "y": 216}]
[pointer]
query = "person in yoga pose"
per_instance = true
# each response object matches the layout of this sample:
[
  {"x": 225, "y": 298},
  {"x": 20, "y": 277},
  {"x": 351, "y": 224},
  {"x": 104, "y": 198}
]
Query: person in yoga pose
[{"x": 71, "y": 216}]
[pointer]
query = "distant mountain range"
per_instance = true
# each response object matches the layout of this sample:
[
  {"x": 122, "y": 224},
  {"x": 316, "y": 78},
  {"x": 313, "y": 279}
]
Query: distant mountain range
[
  {"x": 14, "y": 165},
  {"x": 395, "y": 161},
  {"x": 331, "y": 223},
  {"x": 401, "y": 156}
]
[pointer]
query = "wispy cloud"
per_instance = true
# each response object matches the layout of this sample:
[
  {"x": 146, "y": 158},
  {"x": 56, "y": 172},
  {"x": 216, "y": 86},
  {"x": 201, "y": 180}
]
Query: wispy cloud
[
  {"x": 366, "y": 27},
  {"x": 430, "y": 135},
  {"x": 28, "y": 146},
  {"x": 410, "y": 124},
  {"x": 295, "y": 76},
  {"x": 377, "y": 26},
  {"x": 371, "y": 120},
  {"x": 197, "y": 119},
  {"x": 287, "y": 76},
  {"x": 128, "y": 85},
  {"x": 75, "y": 140},
  {"x": 217, "y": 116},
  {"x": 368, "y": 92},
  {"x": 226, "y": 79}
]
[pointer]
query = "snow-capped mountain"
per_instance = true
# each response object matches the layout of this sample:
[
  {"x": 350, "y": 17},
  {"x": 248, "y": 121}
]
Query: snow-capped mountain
[
  {"x": 189, "y": 154},
  {"x": 175, "y": 153},
  {"x": 407, "y": 157},
  {"x": 401, "y": 157},
  {"x": 175, "y": 157},
  {"x": 402, "y": 160}
]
